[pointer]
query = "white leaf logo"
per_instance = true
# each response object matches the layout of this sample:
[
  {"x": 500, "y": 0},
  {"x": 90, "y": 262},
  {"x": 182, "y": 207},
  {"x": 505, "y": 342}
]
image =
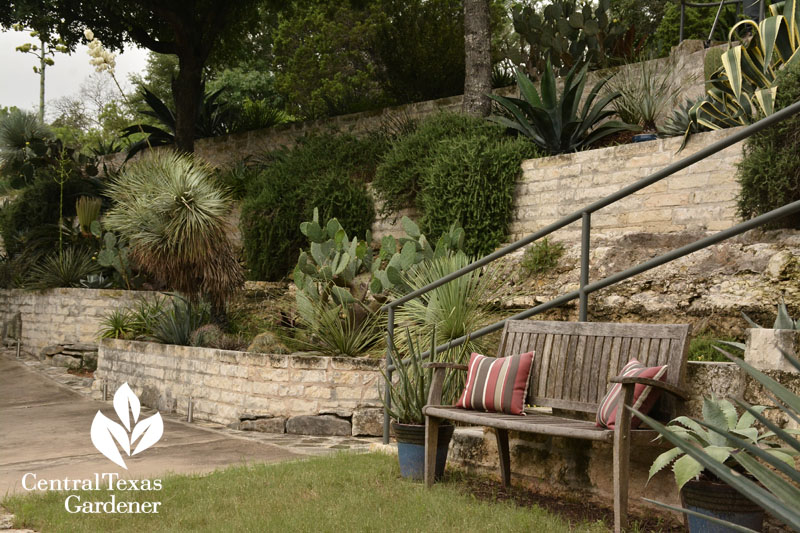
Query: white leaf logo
[{"x": 106, "y": 433}]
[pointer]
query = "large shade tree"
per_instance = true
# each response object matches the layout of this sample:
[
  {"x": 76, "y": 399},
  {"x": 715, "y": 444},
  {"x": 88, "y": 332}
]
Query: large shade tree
[{"x": 189, "y": 29}]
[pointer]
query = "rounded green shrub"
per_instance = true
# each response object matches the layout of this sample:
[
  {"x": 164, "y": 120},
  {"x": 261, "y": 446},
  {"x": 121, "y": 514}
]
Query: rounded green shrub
[
  {"x": 769, "y": 172},
  {"x": 471, "y": 179},
  {"x": 329, "y": 172},
  {"x": 399, "y": 176}
]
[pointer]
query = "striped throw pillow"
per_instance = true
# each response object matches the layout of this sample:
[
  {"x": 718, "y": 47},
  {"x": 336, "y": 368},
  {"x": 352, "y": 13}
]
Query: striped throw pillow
[
  {"x": 497, "y": 384},
  {"x": 644, "y": 397}
]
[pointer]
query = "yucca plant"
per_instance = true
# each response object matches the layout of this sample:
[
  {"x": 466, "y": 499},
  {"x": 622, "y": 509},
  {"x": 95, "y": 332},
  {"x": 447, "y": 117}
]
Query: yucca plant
[
  {"x": 63, "y": 269},
  {"x": 743, "y": 89},
  {"x": 451, "y": 310},
  {"x": 175, "y": 220},
  {"x": 144, "y": 314},
  {"x": 558, "y": 124},
  {"x": 118, "y": 324},
  {"x": 410, "y": 389},
  {"x": 23, "y": 139},
  {"x": 776, "y": 484}
]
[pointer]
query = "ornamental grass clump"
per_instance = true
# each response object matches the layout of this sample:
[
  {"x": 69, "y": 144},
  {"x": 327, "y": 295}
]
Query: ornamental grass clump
[{"x": 174, "y": 217}]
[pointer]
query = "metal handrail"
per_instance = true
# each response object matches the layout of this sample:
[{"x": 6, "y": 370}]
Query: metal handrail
[
  {"x": 586, "y": 288},
  {"x": 685, "y": 4}
]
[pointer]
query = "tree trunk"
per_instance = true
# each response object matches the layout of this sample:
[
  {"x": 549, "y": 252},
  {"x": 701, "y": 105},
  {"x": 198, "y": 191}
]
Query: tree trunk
[
  {"x": 188, "y": 89},
  {"x": 477, "y": 58}
]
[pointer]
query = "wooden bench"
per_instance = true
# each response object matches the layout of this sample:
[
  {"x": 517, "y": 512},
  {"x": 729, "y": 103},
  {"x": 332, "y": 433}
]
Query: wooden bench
[{"x": 573, "y": 364}]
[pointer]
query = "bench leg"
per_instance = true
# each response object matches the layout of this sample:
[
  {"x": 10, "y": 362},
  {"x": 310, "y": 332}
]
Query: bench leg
[
  {"x": 622, "y": 449},
  {"x": 431, "y": 444},
  {"x": 505, "y": 463}
]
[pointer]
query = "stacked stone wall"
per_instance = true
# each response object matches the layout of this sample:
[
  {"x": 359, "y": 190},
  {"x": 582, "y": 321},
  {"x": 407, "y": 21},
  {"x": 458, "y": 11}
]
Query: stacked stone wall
[
  {"x": 63, "y": 316},
  {"x": 236, "y": 388}
]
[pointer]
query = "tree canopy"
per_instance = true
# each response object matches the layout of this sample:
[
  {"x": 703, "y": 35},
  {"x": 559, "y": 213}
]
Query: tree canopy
[{"x": 189, "y": 29}]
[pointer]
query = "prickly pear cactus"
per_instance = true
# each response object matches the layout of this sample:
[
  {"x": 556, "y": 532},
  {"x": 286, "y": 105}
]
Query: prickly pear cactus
[
  {"x": 113, "y": 254},
  {"x": 569, "y": 32},
  {"x": 332, "y": 262},
  {"x": 397, "y": 256}
]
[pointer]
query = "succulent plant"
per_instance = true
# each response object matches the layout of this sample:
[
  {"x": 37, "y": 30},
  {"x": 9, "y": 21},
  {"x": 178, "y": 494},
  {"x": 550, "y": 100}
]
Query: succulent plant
[
  {"x": 782, "y": 321},
  {"x": 113, "y": 254},
  {"x": 398, "y": 256},
  {"x": 568, "y": 33},
  {"x": 332, "y": 262},
  {"x": 559, "y": 124}
]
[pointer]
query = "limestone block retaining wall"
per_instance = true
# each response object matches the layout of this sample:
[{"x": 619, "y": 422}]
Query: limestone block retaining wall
[
  {"x": 701, "y": 197},
  {"x": 252, "y": 389},
  {"x": 687, "y": 62},
  {"x": 63, "y": 316}
]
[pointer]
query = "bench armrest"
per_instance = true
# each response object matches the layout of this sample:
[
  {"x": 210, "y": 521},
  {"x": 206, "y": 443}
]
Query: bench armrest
[
  {"x": 672, "y": 389},
  {"x": 452, "y": 366},
  {"x": 439, "y": 370}
]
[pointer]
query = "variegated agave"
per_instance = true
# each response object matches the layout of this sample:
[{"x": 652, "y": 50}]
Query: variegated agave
[{"x": 743, "y": 89}]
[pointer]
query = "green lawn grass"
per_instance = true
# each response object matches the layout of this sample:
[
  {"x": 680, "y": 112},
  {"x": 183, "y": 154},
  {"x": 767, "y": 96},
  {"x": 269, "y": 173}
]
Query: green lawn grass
[{"x": 341, "y": 493}]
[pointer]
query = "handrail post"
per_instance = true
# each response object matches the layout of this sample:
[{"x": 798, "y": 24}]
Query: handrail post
[
  {"x": 387, "y": 394},
  {"x": 586, "y": 228},
  {"x": 683, "y": 15}
]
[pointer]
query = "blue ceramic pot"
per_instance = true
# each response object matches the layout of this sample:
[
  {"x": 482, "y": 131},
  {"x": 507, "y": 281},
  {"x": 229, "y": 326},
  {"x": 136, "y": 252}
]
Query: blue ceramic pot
[
  {"x": 642, "y": 137},
  {"x": 722, "y": 501},
  {"x": 411, "y": 449}
]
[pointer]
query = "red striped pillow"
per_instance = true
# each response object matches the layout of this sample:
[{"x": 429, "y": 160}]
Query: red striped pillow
[
  {"x": 497, "y": 384},
  {"x": 644, "y": 397}
]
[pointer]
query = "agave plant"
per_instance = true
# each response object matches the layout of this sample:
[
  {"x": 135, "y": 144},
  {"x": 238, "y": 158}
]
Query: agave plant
[
  {"x": 722, "y": 414},
  {"x": 743, "y": 89},
  {"x": 335, "y": 330},
  {"x": 174, "y": 218},
  {"x": 211, "y": 120},
  {"x": 776, "y": 487},
  {"x": 559, "y": 124},
  {"x": 175, "y": 324},
  {"x": 782, "y": 321},
  {"x": 680, "y": 122}
]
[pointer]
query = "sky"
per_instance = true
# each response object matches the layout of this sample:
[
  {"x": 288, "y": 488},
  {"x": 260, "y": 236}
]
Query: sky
[{"x": 19, "y": 85}]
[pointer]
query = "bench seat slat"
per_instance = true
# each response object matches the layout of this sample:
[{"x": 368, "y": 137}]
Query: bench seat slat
[
  {"x": 541, "y": 423},
  {"x": 544, "y": 424}
]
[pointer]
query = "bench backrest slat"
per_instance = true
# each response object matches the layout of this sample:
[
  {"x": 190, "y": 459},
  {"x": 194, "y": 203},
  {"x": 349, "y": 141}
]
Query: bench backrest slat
[{"x": 575, "y": 360}]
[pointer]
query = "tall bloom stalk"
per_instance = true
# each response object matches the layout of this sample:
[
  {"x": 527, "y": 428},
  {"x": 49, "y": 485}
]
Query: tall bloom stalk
[{"x": 106, "y": 61}]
